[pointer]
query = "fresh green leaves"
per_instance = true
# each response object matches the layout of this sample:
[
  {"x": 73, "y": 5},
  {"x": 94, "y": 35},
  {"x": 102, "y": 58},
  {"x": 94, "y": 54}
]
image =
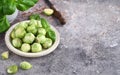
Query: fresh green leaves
[
  {"x": 45, "y": 24},
  {"x": 8, "y": 7},
  {"x": 4, "y": 24},
  {"x": 25, "y": 4},
  {"x": 35, "y": 16},
  {"x": 51, "y": 34}
]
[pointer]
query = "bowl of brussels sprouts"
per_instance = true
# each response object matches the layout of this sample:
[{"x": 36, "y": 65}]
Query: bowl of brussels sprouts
[{"x": 32, "y": 38}]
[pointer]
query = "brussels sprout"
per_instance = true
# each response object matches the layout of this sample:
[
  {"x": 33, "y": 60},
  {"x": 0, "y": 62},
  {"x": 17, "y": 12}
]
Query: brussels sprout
[
  {"x": 47, "y": 43},
  {"x": 20, "y": 32},
  {"x": 36, "y": 47},
  {"x": 29, "y": 38},
  {"x": 16, "y": 42},
  {"x": 25, "y": 47},
  {"x": 12, "y": 69},
  {"x": 22, "y": 24},
  {"x": 33, "y": 22},
  {"x": 12, "y": 35},
  {"x": 41, "y": 31},
  {"x": 48, "y": 11},
  {"x": 40, "y": 38},
  {"x": 39, "y": 23},
  {"x": 5, "y": 55},
  {"x": 32, "y": 29},
  {"x": 25, "y": 65}
]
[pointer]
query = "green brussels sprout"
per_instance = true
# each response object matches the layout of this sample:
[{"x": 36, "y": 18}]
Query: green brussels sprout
[
  {"x": 47, "y": 43},
  {"x": 12, "y": 35},
  {"x": 25, "y": 65},
  {"x": 48, "y": 11},
  {"x": 36, "y": 23},
  {"x": 39, "y": 24},
  {"x": 33, "y": 22},
  {"x": 40, "y": 38},
  {"x": 32, "y": 29},
  {"x": 22, "y": 24},
  {"x": 36, "y": 47},
  {"x": 20, "y": 32},
  {"x": 5, "y": 55},
  {"x": 12, "y": 69},
  {"x": 25, "y": 47},
  {"x": 16, "y": 42},
  {"x": 29, "y": 38},
  {"x": 41, "y": 31}
]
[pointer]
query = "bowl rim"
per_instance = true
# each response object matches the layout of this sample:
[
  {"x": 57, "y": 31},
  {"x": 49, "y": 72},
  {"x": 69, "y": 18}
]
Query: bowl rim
[{"x": 39, "y": 54}]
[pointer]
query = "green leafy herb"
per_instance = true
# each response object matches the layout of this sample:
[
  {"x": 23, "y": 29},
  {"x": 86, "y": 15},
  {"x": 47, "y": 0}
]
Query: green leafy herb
[
  {"x": 35, "y": 16},
  {"x": 25, "y": 4},
  {"x": 8, "y": 7},
  {"x": 51, "y": 34},
  {"x": 4, "y": 24},
  {"x": 45, "y": 24}
]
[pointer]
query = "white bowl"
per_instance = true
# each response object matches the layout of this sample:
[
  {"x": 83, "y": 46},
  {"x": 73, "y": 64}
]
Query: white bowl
[{"x": 42, "y": 53}]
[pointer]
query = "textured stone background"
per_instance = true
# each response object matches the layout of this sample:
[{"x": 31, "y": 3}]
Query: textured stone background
[{"x": 90, "y": 41}]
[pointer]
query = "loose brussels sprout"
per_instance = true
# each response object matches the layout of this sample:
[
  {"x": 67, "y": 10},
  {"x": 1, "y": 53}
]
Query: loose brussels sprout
[
  {"x": 39, "y": 23},
  {"x": 22, "y": 24},
  {"x": 5, "y": 55},
  {"x": 32, "y": 29},
  {"x": 12, "y": 35},
  {"x": 16, "y": 42},
  {"x": 48, "y": 11},
  {"x": 47, "y": 43},
  {"x": 40, "y": 38},
  {"x": 25, "y": 47},
  {"x": 41, "y": 31},
  {"x": 20, "y": 32},
  {"x": 36, "y": 47},
  {"x": 12, "y": 69},
  {"x": 29, "y": 38},
  {"x": 25, "y": 65}
]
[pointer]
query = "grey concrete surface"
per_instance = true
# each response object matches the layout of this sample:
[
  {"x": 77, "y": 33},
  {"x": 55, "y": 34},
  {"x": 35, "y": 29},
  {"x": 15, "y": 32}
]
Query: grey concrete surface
[{"x": 90, "y": 41}]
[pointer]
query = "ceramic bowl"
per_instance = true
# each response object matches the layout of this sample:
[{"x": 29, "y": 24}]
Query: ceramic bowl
[{"x": 39, "y": 54}]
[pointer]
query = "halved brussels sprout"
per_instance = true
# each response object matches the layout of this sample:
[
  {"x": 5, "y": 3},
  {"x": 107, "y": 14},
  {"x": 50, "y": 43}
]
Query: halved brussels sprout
[
  {"x": 12, "y": 69},
  {"x": 20, "y": 32},
  {"x": 36, "y": 47},
  {"x": 40, "y": 38},
  {"x": 5, "y": 55},
  {"x": 41, "y": 31},
  {"x": 47, "y": 43},
  {"x": 25, "y": 47},
  {"x": 48, "y": 11},
  {"x": 25, "y": 65},
  {"x": 29, "y": 38},
  {"x": 16, "y": 42}
]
